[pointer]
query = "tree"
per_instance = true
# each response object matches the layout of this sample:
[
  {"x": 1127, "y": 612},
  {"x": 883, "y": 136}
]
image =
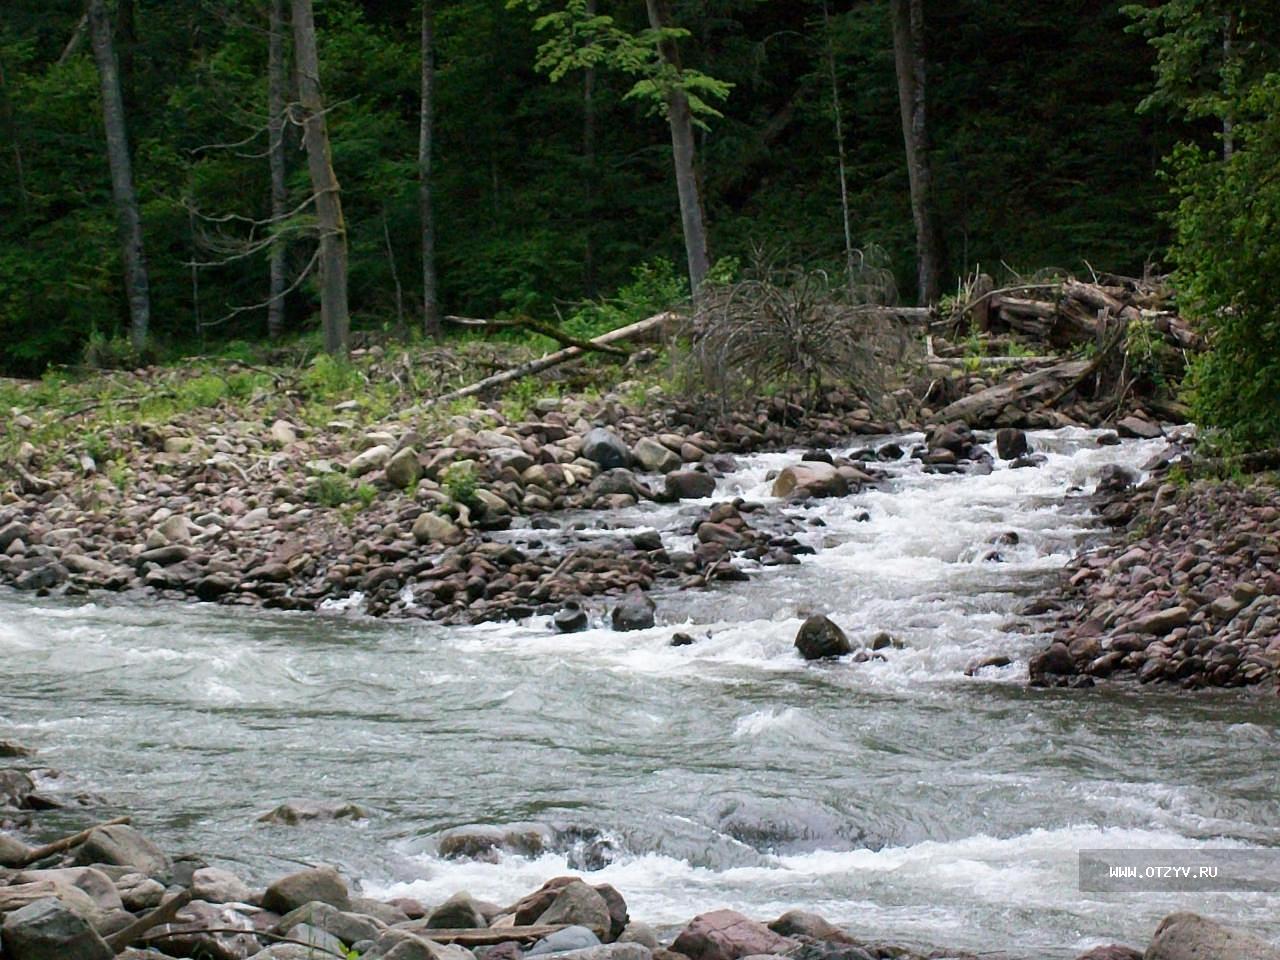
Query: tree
[
  {"x": 426, "y": 130},
  {"x": 911, "y": 69},
  {"x": 276, "y": 106},
  {"x": 332, "y": 256},
  {"x": 137, "y": 282},
  {"x": 581, "y": 38}
]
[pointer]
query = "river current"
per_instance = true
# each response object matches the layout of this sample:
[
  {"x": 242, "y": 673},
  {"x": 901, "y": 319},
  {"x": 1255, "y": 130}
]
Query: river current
[{"x": 897, "y": 797}]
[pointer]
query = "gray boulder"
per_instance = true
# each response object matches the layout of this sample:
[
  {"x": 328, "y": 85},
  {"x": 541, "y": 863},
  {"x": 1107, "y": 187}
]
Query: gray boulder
[
  {"x": 570, "y": 938},
  {"x": 820, "y": 638},
  {"x": 634, "y": 612},
  {"x": 653, "y": 457},
  {"x": 122, "y": 846},
  {"x": 317, "y": 938},
  {"x": 605, "y": 448},
  {"x": 1189, "y": 936},
  {"x": 47, "y": 930},
  {"x": 297, "y": 889},
  {"x": 579, "y": 905},
  {"x": 689, "y": 485},
  {"x": 348, "y": 927},
  {"x": 403, "y": 469},
  {"x": 214, "y": 885},
  {"x": 459, "y": 912},
  {"x": 1011, "y": 443},
  {"x": 810, "y": 479}
]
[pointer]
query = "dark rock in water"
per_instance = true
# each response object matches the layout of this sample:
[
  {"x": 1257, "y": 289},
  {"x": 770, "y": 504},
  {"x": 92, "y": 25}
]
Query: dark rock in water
[
  {"x": 647, "y": 540},
  {"x": 590, "y": 855},
  {"x": 47, "y": 930},
  {"x": 977, "y": 666},
  {"x": 819, "y": 638},
  {"x": 884, "y": 639},
  {"x": 955, "y": 437},
  {"x": 570, "y": 618},
  {"x": 1188, "y": 936},
  {"x": 818, "y": 456},
  {"x": 215, "y": 585},
  {"x": 1030, "y": 460},
  {"x": 484, "y": 842},
  {"x": 1139, "y": 428},
  {"x": 297, "y": 889},
  {"x": 16, "y": 788},
  {"x": 1114, "y": 478},
  {"x": 292, "y": 814},
  {"x": 1108, "y": 440},
  {"x": 890, "y": 451},
  {"x": 1011, "y": 443},
  {"x": 993, "y": 556},
  {"x": 634, "y": 612},
  {"x": 10, "y": 749},
  {"x": 617, "y": 481},
  {"x": 1112, "y": 952},
  {"x": 681, "y": 640},
  {"x": 605, "y": 448},
  {"x": 1056, "y": 660},
  {"x": 727, "y": 935},
  {"x": 689, "y": 485},
  {"x": 798, "y": 923},
  {"x": 1008, "y": 539}
]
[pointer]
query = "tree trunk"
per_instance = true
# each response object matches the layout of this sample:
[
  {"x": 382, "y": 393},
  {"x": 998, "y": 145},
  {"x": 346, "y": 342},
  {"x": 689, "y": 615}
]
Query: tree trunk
[
  {"x": 909, "y": 60},
  {"x": 426, "y": 135},
  {"x": 682, "y": 147},
  {"x": 137, "y": 284},
  {"x": 840, "y": 151},
  {"x": 126, "y": 40},
  {"x": 334, "y": 312},
  {"x": 590, "y": 186},
  {"x": 276, "y": 83}
]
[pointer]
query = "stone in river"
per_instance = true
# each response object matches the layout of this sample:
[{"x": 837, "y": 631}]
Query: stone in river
[
  {"x": 634, "y": 612},
  {"x": 727, "y": 935},
  {"x": 820, "y": 638},
  {"x": 606, "y": 449}
]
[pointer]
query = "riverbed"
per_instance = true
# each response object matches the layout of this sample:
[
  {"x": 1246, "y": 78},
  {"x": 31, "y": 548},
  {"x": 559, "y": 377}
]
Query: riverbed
[{"x": 896, "y": 797}]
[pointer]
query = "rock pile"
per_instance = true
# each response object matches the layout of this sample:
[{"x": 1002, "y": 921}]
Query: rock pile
[{"x": 1190, "y": 597}]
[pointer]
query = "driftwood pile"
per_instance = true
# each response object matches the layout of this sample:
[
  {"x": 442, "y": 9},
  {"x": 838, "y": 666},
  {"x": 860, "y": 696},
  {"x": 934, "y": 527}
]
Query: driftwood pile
[{"x": 1124, "y": 346}]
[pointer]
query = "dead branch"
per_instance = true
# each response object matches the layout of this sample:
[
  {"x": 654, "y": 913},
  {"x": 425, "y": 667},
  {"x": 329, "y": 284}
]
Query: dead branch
[
  {"x": 128, "y": 936},
  {"x": 28, "y": 855},
  {"x": 546, "y": 329}
]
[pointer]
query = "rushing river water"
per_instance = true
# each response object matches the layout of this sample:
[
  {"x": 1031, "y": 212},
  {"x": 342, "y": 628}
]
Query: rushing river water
[{"x": 897, "y": 797}]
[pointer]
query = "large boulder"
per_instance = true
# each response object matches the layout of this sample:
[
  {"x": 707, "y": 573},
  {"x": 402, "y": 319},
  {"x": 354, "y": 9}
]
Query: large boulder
[
  {"x": 1189, "y": 936},
  {"x": 214, "y": 885},
  {"x": 1011, "y": 443},
  {"x": 810, "y": 479},
  {"x": 459, "y": 912},
  {"x": 47, "y": 930},
  {"x": 689, "y": 485},
  {"x": 579, "y": 905},
  {"x": 634, "y": 612},
  {"x": 371, "y": 459},
  {"x": 605, "y": 448},
  {"x": 297, "y": 889},
  {"x": 819, "y": 638},
  {"x": 433, "y": 528},
  {"x": 727, "y": 935},
  {"x": 122, "y": 846},
  {"x": 348, "y": 927},
  {"x": 403, "y": 470},
  {"x": 653, "y": 457}
]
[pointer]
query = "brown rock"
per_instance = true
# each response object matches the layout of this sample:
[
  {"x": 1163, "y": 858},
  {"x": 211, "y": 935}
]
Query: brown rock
[{"x": 727, "y": 935}]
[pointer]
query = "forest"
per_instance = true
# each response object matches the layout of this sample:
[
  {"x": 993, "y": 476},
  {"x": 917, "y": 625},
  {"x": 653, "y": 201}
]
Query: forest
[{"x": 192, "y": 175}]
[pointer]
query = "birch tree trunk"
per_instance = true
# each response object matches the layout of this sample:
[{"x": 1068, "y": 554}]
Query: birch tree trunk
[
  {"x": 137, "y": 283},
  {"x": 841, "y": 156},
  {"x": 334, "y": 313},
  {"x": 426, "y": 134},
  {"x": 682, "y": 147},
  {"x": 909, "y": 60},
  {"x": 276, "y": 84}
]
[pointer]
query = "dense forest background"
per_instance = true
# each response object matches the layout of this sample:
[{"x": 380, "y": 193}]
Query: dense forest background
[
  {"x": 1080, "y": 134},
  {"x": 1040, "y": 156}
]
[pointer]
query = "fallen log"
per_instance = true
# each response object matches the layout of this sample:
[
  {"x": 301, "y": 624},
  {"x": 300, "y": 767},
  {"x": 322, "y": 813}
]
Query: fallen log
[
  {"x": 485, "y": 936},
  {"x": 546, "y": 329},
  {"x": 984, "y": 406},
  {"x": 557, "y": 358},
  {"x": 14, "y": 853}
]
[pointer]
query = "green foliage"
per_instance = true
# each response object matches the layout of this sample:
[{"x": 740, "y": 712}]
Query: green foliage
[
  {"x": 328, "y": 376},
  {"x": 330, "y": 490},
  {"x": 366, "y": 493},
  {"x": 655, "y": 286},
  {"x": 459, "y": 481}
]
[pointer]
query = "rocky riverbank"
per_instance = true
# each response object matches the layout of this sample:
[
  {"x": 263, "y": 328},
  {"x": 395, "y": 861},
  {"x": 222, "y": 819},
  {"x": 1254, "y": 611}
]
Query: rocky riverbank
[
  {"x": 111, "y": 892},
  {"x": 1187, "y": 594}
]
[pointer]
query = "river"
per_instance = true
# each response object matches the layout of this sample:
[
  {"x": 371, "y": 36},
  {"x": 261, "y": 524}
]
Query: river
[{"x": 897, "y": 797}]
